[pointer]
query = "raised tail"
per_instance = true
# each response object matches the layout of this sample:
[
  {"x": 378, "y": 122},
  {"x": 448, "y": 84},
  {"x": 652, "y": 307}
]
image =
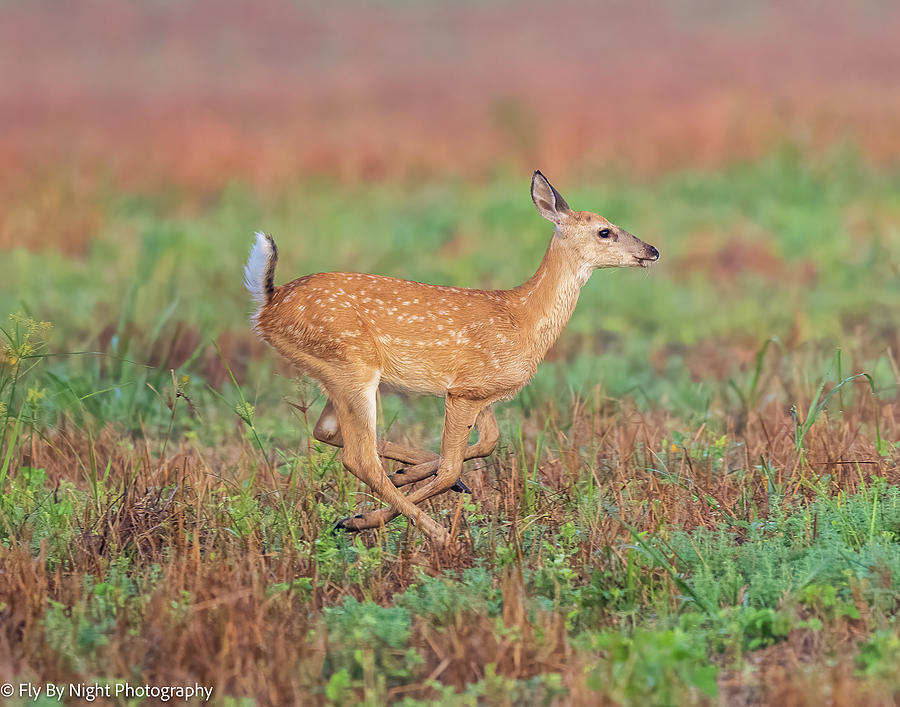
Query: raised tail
[{"x": 259, "y": 272}]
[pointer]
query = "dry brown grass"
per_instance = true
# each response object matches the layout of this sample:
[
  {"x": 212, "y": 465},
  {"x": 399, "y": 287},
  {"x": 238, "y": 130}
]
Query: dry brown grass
[{"x": 235, "y": 634}]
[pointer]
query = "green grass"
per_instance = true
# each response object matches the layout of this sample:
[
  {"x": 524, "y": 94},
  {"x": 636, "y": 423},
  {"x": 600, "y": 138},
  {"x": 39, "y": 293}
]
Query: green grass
[
  {"x": 653, "y": 524},
  {"x": 153, "y": 255},
  {"x": 830, "y": 223}
]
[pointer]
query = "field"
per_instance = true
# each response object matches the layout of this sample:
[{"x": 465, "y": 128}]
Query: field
[{"x": 695, "y": 501}]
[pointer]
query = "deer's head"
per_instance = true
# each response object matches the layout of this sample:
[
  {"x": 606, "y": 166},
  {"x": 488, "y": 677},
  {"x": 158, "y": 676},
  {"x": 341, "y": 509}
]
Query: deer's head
[{"x": 589, "y": 240}]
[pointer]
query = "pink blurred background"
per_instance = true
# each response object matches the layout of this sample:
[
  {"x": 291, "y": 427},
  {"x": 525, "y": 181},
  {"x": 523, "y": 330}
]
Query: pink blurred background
[{"x": 195, "y": 93}]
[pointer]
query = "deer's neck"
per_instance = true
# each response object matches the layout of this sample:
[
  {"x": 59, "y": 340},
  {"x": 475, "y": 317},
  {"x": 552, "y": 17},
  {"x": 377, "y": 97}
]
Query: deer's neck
[{"x": 546, "y": 301}]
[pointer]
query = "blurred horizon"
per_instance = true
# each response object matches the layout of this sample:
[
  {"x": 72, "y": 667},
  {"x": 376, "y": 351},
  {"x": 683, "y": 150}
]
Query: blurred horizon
[
  {"x": 198, "y": 93},
  {"x": 124, "y": 125}
]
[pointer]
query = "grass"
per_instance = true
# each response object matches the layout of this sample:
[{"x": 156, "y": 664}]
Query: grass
[{"x": 696, "y": 500}]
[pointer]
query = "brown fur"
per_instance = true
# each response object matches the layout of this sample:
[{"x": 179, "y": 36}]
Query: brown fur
[{"x": 353, "y": 332}]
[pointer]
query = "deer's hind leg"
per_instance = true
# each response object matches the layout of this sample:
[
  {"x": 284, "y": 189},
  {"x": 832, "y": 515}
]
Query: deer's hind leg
[
  {"x": 356, "y": 415},
  {"x": 328, "y": 428},
  {"x": 459, "y": 419},
  {"x": 424, "y": 463}
]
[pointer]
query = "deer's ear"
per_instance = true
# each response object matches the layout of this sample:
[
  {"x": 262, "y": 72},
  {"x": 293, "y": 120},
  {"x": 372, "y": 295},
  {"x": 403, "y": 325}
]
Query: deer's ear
[{"x": 549, "y": 202}]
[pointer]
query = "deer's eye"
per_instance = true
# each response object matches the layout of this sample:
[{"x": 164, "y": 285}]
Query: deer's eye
[{"x": 603, "y": 233}]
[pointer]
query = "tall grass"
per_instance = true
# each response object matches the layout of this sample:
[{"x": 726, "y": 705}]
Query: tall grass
[{"x": 656, "y": 524}]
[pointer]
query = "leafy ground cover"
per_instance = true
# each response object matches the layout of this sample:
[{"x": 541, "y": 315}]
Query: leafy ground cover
[{"x": 696, "y": 501}]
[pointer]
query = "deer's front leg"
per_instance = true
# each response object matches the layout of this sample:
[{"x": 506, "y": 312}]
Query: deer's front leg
[
  {"x": 357, "y": 416},
  {"x": 458, "y": 422}
]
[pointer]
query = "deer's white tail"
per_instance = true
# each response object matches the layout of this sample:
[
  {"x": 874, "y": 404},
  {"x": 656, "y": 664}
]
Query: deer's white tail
[{"x": 259, "y": 272}]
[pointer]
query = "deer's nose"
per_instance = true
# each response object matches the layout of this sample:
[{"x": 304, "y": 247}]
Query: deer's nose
[{"x": 653, "y": 252}]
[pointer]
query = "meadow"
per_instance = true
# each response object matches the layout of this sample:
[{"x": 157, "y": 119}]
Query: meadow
[{"x": 696, "y": 500}]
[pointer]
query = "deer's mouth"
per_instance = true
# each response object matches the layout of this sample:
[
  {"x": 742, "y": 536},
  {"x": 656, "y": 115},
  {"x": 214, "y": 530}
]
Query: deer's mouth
[{"x": 651, "y": 255}]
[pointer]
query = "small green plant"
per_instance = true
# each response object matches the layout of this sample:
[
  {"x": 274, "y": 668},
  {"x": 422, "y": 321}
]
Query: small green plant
[
  {"x": 23, "y": 345},
  {"x": 764, "y": 627},
  {"x": 663, "y": 667},
  {"x": 823, "y": 599},
  {"x": 368, "y": 650},
  {"x": 820, "y": 401},
  {"x": 47, "y": 515},
  {"x": 879, "y": 657},
  {"x": 749, "y": 393},
  {"x": 79, "y": 631}
]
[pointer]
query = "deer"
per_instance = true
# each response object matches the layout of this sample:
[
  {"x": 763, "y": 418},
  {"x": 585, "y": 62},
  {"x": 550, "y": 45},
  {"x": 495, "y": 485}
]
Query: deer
[{"x": 354, "y": 333}]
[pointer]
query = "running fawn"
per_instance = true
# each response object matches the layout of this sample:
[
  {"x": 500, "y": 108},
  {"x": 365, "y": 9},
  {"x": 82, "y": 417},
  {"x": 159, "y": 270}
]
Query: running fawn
[{"x": 353, "y": 332}]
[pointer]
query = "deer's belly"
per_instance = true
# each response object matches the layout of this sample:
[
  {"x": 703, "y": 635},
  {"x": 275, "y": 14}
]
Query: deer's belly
[{"x": 460, "y": 371}]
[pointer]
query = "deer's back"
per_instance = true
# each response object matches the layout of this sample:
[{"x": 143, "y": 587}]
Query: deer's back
[{"x": 423, "y": 338}]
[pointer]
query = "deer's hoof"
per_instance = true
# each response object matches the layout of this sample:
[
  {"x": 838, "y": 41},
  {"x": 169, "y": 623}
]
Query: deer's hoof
[
  {"x": 343, "y": 525},
  {"x": 460, "y": 487}
]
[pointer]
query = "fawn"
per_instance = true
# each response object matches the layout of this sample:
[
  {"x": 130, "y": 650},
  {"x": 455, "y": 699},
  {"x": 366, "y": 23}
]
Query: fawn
[{"x": 353, "y": 332}]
